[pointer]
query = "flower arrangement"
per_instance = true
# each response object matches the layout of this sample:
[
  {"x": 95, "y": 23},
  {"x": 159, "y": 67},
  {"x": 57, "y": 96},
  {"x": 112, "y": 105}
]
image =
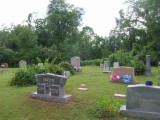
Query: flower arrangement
[
  {"x": 149, "y": 83},
  {"x": 126, "y": 79},
  {"x": 115, "y": 77}
]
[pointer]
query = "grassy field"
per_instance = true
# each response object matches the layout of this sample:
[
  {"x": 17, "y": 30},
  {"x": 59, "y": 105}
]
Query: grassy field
[{"x": 16, "y": 104}]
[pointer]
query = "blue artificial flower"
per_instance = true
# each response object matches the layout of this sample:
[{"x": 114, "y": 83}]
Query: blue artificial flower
[{"x": 126, "y": 79}]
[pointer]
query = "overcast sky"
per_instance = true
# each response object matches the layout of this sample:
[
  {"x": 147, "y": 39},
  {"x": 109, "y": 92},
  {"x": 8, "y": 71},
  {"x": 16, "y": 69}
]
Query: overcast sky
[{"x": 99, "y": 14}]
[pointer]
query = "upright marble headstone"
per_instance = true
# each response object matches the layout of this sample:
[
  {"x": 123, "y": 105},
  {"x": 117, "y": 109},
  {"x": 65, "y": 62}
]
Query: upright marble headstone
[
  {"x": 23, "y": 64},
  {"x": 148, "y": 65},
  {"x": 106, "y": 67},
  {"x": 75, "y": 61},
  {"x": 66, "y": 74},
  {"x": 116, "y": 64},
  {"x": 142, "y": 102},
  {"x": 101, "y": 65},
  {"x": 40, "y": 64},
  {"x": 50, "y": 87}
]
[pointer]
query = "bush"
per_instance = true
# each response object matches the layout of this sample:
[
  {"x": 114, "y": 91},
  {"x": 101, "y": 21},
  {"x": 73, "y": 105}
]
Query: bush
[
  {"x": 106, "y": 107},
  {"x": 157, "y": 80},
  {"x": 66, "y": 66},
  {"x": 139, "y": 67},
  {"x": 93, "y": 62},
  {"x": 25, "y": 77}
]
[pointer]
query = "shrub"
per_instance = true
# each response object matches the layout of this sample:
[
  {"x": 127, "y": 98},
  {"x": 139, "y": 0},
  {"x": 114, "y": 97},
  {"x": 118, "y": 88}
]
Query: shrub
[
  {"x": 66, "y": 66},
  {"x": 106, "y": 107},
  {"x": 139, "y": 67},
  {"x": 157, "y": 80},
  {"x": 23, "y": 77}
]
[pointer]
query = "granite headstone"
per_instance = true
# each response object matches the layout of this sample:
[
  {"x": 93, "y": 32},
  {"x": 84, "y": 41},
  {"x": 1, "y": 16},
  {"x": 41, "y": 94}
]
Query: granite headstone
[
  {"x": 50, "y": 87},
  {"x": 148, "y": 65},
  {"x": 142, "y": 102}
]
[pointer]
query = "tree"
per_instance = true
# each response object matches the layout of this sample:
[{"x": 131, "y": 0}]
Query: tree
[{"x": 62, "y": 22}]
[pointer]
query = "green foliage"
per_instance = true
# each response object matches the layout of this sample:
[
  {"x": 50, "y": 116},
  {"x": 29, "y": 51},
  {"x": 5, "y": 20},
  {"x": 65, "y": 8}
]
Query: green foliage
[
  {"x": 157, "y": 80},
  {"x": 91, "y": 62},
  {"x": 23, "y": 77},
  {"x": 106, "y": 107},
  {"x": 6, "y": 56},
  {"x": 139, "y": 67},
  {"x": 66, "y": 66},
  {"x": 121, "y": 56},
  {"x": 16, "y": 104}
]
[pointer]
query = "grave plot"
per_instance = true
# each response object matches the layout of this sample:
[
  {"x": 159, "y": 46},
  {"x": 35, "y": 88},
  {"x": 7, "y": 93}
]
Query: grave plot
[
  {"x": 142, "y": 101},
  {"x": 50, "y": 87}
]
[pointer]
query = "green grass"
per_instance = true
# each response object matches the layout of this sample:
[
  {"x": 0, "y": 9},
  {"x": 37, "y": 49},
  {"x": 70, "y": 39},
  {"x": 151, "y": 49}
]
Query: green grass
[{"x": 16, "y": 104}]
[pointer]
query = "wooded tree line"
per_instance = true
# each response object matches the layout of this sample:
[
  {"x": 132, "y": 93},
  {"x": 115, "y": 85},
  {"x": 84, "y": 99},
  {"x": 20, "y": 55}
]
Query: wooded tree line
[{"x": 58, "y": 37}]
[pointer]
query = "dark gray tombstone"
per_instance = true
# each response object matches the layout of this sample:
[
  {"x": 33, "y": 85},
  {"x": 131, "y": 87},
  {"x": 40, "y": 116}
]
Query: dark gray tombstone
[
  {"x": 50, "y": 87},
  {"x": 106, "y": 67},
  {"x": 142, "y": 102},
  {"x": 148, "y": 65}
]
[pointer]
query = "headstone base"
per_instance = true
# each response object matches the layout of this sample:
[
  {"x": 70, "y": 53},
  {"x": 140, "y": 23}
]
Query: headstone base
[
  {"x": 78, "y": 69},
  {"x": 66, "y": 98},
  {"x": 139, "y": 114},
  {"x": 148, "y": 72},
  {"x": 106, "y": 71}
]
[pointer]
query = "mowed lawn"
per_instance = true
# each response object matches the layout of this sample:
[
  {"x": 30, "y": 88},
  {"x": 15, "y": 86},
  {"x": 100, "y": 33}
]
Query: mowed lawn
[{"x": 16, "y": 104}]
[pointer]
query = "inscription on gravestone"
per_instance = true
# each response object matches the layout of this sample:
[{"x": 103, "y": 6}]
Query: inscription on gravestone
[
  {"x": 55, "y": 90},
  {"x": 50, "y": 87}
]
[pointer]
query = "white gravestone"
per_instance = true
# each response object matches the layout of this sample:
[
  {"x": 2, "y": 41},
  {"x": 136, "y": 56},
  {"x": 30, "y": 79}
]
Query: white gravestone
[
  {"x": 23, "y": 64},
  {"x": 106, "y": 67},
  {"x": 116, "y": 64}
]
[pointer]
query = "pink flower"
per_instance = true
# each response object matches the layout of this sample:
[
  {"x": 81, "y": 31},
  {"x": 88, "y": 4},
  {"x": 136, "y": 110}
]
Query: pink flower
[{"x": 115, "y": 77}]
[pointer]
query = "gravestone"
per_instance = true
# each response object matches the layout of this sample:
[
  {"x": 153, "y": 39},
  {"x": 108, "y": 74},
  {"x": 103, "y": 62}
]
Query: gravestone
[
  {"x": 66, "y": 74},
  {"x": 4, "y": 65},
  {"x": 148, "y": 65},
  {"x": 101, "y": 65},
  {"x": 23, "y": 64},
  {"x": 40, "y": 64},
  {"x": 50, "y": 87},
  {"x": 142, "y": 101},
  {"x": 116, "y": 64},
  {"x": 106, "y": 67},
  {"x": 75, "y": 61},
  {"x": 125, "y": 71}
]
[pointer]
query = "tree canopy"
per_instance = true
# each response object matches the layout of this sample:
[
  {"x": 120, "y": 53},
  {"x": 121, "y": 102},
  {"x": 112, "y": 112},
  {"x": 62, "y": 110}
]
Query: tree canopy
[{"x": 58, "y": 36}]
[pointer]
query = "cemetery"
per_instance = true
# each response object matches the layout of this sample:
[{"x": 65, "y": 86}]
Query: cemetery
[
  {"x": 52, "y": 70},
  {"x": 76, "y": 96}
]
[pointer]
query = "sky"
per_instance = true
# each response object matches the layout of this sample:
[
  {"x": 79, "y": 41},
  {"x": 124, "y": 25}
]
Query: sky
[{"x": 99, "y": 14}]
